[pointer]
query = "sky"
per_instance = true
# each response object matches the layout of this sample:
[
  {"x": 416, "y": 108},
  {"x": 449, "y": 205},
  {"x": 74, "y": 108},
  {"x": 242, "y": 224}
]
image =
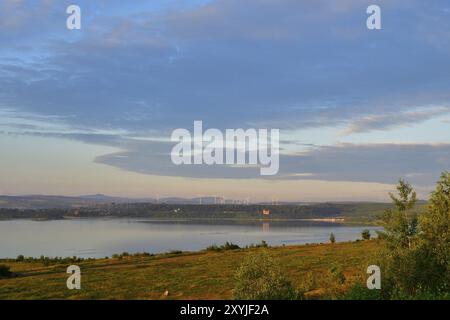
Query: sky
[{"x": 92, "y": 110}]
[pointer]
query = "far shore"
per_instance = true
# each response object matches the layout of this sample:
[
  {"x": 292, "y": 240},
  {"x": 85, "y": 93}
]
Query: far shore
[{"x": 331, "y": 219}]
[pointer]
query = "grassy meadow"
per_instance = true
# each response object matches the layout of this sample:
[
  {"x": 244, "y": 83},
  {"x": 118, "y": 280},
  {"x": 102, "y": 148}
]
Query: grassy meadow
[{"x": 196, "y": 275}]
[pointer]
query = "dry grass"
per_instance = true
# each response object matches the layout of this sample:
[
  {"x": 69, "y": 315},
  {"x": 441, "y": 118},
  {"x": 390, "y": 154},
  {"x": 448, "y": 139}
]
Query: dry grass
[{"x": 199, "y": 275}]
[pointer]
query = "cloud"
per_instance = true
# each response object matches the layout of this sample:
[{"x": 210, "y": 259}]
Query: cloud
[
  {"x": 136, "y": 69},
  {"x": 383, "y": 163},
  {"x": 296, "y": 63},
  {"x": 393, "y": 120}
]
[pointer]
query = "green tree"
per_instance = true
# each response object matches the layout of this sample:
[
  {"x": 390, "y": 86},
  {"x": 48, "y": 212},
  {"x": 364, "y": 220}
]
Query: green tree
[
  {"x": 415, "y": 259},
  {"x": 397, "y": 258},
  {"x": 332, "y": 238},
  {"x": 400, "y": 223},
  {"x": 434, "y": 238}
]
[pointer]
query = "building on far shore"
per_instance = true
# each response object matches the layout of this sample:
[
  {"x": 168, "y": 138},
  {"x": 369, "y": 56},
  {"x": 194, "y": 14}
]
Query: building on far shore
[{"x": 266, "y": 212}]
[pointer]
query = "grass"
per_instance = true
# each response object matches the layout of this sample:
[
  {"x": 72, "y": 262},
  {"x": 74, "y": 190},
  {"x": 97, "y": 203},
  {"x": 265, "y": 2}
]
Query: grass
[{"x": 196, "y": 275}]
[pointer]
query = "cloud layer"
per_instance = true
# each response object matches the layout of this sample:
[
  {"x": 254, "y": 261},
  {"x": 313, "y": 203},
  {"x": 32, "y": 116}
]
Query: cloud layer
[{"x": 144, "y": 69}]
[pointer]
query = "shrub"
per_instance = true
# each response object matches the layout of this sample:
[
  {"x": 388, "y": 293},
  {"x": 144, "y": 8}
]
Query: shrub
[
  {"x": 416, "y": 257},
  {"x": 260, "y": 278},
  {"x": 20, "y": 258},
  {"x": 365, "y": 234},
  {"x": 263, "y": 244},
  {"x": 213, "y": 247},
  {"x": 225, "y": 247},
  {"x": 230, "y": 246},
  {"x": 332, "y": 238},
  {"x": 4, "y": 272}
]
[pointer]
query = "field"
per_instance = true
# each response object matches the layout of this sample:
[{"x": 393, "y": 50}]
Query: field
[{"x": 197, "y": 275}]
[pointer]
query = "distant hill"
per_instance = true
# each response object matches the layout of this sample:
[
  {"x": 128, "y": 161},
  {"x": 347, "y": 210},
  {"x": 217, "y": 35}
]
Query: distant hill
[
  {"x": 59, "y": 207},
  {"x": 65, "y": 202}
]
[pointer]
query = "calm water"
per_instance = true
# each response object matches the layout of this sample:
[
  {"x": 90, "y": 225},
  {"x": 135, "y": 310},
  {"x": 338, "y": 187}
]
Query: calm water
[{"x": 103, "y": 237}]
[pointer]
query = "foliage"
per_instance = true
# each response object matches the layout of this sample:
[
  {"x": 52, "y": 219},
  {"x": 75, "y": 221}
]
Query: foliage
[
  {"x": 434, "y": 238},
  {"x": 365, "y": 234},
  {"x": 260, "y": 278},
  {"x": 400, "y": 223},
  {"x": 5, "y": 271},
  {"x": 225, "y": 247},
  {"x": 416, "y": 257},
  {"x": 332, "y": 238},
  {"x": 263, "y": 244}
]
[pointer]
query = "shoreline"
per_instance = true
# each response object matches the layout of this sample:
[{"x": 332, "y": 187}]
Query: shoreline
[{"x": 171, "y": 253}]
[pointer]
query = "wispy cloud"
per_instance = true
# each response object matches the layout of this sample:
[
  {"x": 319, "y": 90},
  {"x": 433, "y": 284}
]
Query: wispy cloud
[
  {"x": 138, "y": 70},
  {"x": 393, "y": 120}
]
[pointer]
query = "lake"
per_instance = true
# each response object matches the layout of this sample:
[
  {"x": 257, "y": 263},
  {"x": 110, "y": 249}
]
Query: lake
[{"x": 104, "y": 237}]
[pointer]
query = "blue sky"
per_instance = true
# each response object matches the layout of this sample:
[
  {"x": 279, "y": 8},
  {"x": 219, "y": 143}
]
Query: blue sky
[{"x": 91, "y": 110}]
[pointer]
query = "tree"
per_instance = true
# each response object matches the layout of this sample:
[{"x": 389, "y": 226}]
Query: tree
[
  {"x": 398, "y": 255},
  {"x": 332, "y": 238},
  {"x": 400, "y": 223},
  {"x": 365, "y": 234},
  {"x": 434, "y": 237},
  {"x": 260, "y": 278},
  {"x": 416, "y": 257}
]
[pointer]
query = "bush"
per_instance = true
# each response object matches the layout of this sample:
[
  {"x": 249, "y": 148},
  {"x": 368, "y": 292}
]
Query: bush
[
  {"x": 213, "y": 247},
  {"x": 365, "y": 234},
  {"x": 332, "y": 238},
  {"x": 20, "y": 258},
  {"x": 230, "y": 246},
  {"x": 4, "y": 272},
  {"x": 263, "y": 244},
  {"x": 260, "y": 278},
  {"x": 225, "y": 247}
]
